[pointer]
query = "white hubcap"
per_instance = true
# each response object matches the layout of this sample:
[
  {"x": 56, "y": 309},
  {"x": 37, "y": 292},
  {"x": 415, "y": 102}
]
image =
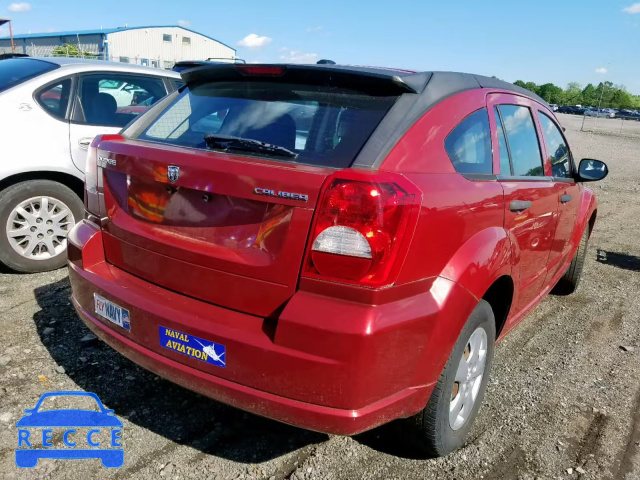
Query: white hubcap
[
  {"x": 37, "y": 228},
  {"x": 468, "y": 379}
]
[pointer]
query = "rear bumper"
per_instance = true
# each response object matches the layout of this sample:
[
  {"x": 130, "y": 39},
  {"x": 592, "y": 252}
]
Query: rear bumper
[
  {"x": 330, "y": 366},
  {"x": 293, "y": 412}
]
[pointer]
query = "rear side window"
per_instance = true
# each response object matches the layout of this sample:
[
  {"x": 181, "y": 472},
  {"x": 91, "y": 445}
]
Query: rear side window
[
  {"x": 469, "y": 144},
  {"x": 17, "y": 70},
  {"x": 324, "y": 126},
  {"x": 522, "y": 140},
  {"x": 55, "y": 98},
  {"x": 557, "y": 146}
]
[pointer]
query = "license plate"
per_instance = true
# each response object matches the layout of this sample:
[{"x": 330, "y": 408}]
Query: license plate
[{"x": 112, "y": 312}]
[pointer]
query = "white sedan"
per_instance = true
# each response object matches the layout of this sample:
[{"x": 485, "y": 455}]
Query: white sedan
[{"x": 50, "y": 111}]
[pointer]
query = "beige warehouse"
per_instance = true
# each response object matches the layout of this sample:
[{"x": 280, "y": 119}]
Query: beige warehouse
[{"x": 154, "y": 46}]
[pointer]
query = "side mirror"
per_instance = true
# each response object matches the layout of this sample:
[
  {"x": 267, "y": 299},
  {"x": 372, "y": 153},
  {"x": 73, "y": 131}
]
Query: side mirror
[{"x": 591, "y": 170}]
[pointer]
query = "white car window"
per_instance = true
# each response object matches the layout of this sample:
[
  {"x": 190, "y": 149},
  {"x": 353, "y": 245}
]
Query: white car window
[
  {"x": 114, "y": 99},
  {"x": 55, "y": 98}
]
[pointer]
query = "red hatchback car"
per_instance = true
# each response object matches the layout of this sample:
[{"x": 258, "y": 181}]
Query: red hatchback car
[{"x": 332, "y": 247}]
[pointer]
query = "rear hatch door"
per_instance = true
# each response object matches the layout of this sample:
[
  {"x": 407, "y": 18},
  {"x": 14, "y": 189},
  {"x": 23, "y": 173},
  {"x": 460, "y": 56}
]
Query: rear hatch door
[
  {"x": 213, "y": 197},
  {"x": 208, "y": 234}
]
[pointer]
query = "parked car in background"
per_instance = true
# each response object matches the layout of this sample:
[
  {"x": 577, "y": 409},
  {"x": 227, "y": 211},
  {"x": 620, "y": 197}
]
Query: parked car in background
[
  {"x": 565, "y": 109},
  {"x": 51, "y": 110},
  {"x": 338, "y": 247},
  {"x": 126, "y": 94},
  {"x": 600, "y": 112},
  {"x": 553, "y": 107},
  {"x": 629, "y": 114}
]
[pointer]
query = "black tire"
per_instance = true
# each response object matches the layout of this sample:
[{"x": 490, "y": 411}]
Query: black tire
[
  {"x": 569, "y": 282},
  {"x": 432, "y": 427},
  {"x": 10, "y": 198}
]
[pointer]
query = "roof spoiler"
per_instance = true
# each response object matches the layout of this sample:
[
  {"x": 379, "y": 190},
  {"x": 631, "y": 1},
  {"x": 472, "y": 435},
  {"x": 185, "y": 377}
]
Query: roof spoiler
[{"x": 370, "y": 80}]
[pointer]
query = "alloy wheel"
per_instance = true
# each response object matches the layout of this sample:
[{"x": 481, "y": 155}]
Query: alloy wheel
[{"x": 468, "y": 379}]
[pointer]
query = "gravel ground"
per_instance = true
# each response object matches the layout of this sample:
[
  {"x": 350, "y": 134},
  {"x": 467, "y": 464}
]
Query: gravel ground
[{"x": 563, "y": 401}]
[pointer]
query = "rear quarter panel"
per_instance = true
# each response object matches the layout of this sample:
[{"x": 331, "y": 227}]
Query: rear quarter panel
[
  {"x": 31, "y": 139},
  {"x": 460, "y": 237},
  {"x": 460, "y": 232}
]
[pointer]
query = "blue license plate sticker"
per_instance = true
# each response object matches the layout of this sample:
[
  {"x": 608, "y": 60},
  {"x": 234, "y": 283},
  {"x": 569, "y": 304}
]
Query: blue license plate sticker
[
  {"x": 112, "y": 312},
  {"x": 194, "y": 347}
]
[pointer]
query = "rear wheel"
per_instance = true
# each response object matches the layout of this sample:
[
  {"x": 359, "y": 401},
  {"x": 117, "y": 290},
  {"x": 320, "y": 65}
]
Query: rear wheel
[
  {"x": 569, "y": 282},
  {"x": 449, "y": 415},
  {"x": 35, "y": 218}
]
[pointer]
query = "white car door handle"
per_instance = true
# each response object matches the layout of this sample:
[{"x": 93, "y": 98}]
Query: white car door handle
[{"x": 85, "y": 142}]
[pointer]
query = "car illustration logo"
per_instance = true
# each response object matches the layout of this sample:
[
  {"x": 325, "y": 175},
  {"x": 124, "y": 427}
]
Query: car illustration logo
[
  {"x": 173, "y": 173},
  {"x": 36, "y": 433}
]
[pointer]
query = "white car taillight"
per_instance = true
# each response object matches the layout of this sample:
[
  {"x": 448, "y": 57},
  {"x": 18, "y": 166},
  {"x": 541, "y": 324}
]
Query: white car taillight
[
  {"x": 93, "y": 200},
  {"x": 91, "y": 203}
]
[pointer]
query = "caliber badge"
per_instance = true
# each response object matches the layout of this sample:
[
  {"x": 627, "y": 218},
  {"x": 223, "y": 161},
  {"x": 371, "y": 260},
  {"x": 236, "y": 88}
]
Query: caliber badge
[{"x": 272, "y": 193}]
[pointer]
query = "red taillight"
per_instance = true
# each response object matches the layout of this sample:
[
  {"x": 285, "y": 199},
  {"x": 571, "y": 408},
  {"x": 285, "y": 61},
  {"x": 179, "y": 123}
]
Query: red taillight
[
  {"x": 273, "y": 70},
  {"x": 361, "y": 228},
  {"x": 93, "y": 200}
]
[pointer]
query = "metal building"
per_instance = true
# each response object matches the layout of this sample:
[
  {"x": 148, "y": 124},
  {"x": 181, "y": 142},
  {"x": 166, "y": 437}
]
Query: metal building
[{"x": 159, "y": 46}]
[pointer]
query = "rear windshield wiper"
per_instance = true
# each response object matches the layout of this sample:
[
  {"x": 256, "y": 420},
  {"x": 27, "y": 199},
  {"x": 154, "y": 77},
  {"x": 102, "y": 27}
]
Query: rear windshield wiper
[{"x": 228, "y": 143}]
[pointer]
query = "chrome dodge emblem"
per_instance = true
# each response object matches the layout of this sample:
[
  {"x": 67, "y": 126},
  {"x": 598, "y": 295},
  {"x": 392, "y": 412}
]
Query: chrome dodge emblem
[{"x": 173, "y": 173}]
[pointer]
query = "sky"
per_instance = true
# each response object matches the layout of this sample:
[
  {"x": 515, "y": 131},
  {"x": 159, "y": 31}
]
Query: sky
[{"x": 556, "y": 41}]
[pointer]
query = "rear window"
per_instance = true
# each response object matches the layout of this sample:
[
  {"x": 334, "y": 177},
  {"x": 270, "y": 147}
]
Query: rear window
[
  {"x": 324, "y": 126},
  {"x": 17, "y": 70}
]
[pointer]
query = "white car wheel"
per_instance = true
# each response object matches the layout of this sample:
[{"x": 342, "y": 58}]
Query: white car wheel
[{"x": 35, "y": 218}]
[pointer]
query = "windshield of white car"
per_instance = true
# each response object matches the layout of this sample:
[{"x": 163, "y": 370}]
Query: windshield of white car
[{"x": 17, "y": 70}]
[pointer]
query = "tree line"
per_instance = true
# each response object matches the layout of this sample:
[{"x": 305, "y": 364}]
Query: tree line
[{"x": 605, "y": 94}]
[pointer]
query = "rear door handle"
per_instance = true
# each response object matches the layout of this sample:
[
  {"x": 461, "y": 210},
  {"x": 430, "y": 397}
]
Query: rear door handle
[
  {"x": 565, "y": 198},
  {"x": 85, "y": 142},
  {"x": 519, "y": 205}
]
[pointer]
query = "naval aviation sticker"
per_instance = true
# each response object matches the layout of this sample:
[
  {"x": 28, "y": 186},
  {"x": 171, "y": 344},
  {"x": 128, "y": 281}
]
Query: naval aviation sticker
[{"x": 194, "y": 347}]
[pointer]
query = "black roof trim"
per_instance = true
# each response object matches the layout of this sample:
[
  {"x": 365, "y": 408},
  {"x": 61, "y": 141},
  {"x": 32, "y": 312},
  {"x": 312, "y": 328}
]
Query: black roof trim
[
  {"x": 406, "y": 111},
  {"x": 409, "y": 108},
  {"x": 490, "y": 82},
  {"x": 418, "y": 92},
  {"x": 391, "y": 82}
]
